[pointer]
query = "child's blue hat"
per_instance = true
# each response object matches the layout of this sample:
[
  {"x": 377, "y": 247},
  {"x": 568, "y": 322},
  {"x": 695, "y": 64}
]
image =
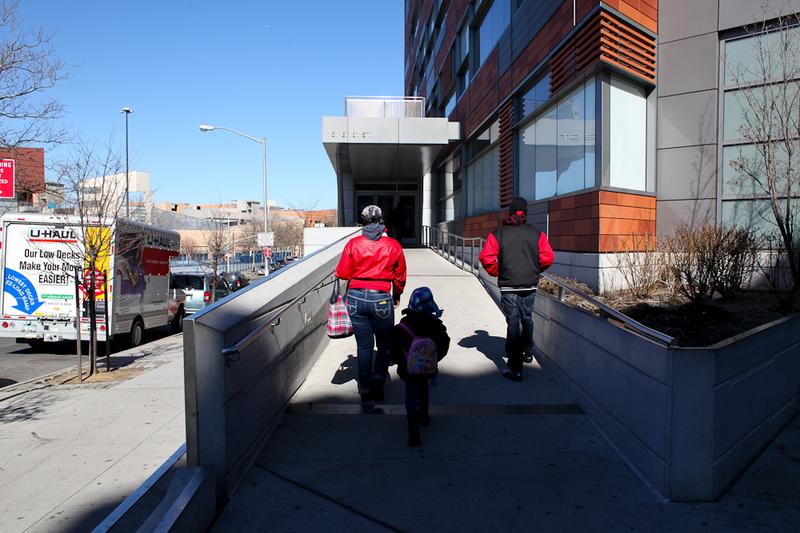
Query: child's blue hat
[{"x": 422, "y": 301}]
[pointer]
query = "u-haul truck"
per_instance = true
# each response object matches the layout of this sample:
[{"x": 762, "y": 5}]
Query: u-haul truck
[{"x": 41, "y": 254}]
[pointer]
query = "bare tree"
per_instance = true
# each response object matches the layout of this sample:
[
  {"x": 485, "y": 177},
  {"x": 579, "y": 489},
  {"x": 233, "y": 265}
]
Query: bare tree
[
  {"x": 188, "y": 246},
  {"x": 217, "y": 240},
  {"x": 288, "y": 232},
  {"x": 96, "y": 200},
  {"x": 769, "y": 98},
  {"x": 28, "y": 69}
]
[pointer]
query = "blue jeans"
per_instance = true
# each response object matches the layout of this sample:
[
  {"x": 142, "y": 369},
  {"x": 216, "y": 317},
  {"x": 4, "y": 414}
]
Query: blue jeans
[
  {"x": 372, "y": 315},
  {"x": 518, "y": 309}
]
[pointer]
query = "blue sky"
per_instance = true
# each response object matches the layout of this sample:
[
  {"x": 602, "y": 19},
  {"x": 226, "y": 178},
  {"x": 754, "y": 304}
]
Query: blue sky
[{"x": 267, "y": 68}]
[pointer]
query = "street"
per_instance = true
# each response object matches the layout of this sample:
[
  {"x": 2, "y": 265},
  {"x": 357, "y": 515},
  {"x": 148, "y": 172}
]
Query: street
[{"x": 20, "y": 362}]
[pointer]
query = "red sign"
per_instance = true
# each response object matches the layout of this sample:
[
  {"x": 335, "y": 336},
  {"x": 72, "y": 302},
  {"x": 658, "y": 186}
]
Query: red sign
[
  {"x": 267, "y": 252},
  {"x": 99, "y": 278},
  {"x": 6, "y": 178}
]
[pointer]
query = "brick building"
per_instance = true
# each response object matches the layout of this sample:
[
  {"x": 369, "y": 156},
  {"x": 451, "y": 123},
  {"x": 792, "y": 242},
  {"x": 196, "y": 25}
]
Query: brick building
[
  {"x": 614, "y": 119},
  {"x": 29, "y": 175}
]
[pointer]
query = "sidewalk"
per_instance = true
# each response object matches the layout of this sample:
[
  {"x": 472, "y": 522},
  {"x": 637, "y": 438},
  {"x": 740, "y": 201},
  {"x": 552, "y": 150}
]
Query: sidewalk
[
  {"x": 499, "y": 456},
  {"x": 70, "y": 454}
]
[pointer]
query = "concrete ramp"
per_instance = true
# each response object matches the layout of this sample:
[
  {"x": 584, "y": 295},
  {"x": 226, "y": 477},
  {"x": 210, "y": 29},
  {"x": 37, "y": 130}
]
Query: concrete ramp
[{"x": 497, "y": 455}]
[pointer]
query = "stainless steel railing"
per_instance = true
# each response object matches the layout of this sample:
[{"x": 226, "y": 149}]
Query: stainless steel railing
[
  {"x": 385, "y": 106},
  {"x": 274, "y": 319},
  {"x": 447, "y": 244}
]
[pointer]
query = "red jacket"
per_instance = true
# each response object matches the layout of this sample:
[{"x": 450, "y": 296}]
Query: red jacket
[
  {"x": 490, "y": 260},
  {"x": 378, "y": 265}
]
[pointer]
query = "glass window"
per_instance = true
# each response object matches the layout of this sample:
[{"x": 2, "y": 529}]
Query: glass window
[
  {"x": 546, "y": 154},
  {"x": 751, "y": 180},
  {"x": 527, "y": 160},
  {"x": 482, "y": 183},
  {"x": 450, "y": 106},
  {"x": 492, "y": 27},
  {"x": 627, "y": 145},
  {"x": 571, "y": 112},
  {"x": 742, "y": 64},
  {"x": 536, "y": 97},
  {"x": 557, "y": 150},
  {"x": 755, "y": 214},
  {"x": 589, "y": 135}
]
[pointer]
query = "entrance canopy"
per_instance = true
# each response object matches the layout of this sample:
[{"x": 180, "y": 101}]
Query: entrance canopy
[{"x": 383, "y": 142}]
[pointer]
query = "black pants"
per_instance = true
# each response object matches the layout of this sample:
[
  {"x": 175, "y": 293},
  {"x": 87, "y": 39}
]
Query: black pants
[
  {"x": 417, "y": 392},
  {"x": 518, "y": 309}
]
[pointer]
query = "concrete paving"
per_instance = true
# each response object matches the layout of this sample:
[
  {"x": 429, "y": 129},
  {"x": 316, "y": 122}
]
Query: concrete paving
[
  {"x": 70, "y": 454},
  {"x": 498, "y": 455}
]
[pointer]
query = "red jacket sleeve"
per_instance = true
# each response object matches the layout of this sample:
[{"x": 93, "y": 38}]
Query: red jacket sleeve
[
  {"x": 344, "y": 270},
  {"x": 488, "y": 255},
  {"x": 546, "y": 254},
  {"x": 399, "y": 275}
]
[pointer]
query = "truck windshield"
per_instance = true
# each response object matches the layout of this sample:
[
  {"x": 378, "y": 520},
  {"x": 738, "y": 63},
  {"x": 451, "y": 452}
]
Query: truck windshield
[{"x": 189, "y": 282}]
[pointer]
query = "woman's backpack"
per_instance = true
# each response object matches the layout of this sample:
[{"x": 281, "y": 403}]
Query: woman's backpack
[{"x": 421, "y": 355}]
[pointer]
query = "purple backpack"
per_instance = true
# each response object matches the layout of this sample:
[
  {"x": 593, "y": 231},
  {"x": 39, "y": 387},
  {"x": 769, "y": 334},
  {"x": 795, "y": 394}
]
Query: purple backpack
[{"x": 421, "y": 356}]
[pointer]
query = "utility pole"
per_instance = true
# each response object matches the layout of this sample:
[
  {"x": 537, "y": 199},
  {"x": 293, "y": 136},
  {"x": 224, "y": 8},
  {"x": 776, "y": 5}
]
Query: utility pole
[{"x": 127, "y": 111}]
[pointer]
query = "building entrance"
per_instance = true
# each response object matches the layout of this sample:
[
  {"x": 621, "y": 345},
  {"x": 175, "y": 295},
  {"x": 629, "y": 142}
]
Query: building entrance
[{"x": 400, "y": 206}]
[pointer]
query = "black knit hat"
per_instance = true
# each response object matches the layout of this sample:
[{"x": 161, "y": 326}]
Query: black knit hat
[{"x": 518, "y": 204}]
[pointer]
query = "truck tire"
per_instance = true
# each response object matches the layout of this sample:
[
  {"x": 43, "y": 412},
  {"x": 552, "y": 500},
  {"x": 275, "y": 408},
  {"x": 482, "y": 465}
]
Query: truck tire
[
  {"x": 177, "y": 323},
  {"x": 137, "y": 333}
]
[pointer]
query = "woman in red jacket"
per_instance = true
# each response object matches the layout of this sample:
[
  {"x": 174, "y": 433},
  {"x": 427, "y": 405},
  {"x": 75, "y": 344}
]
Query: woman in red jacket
[{"x": 376, "y": 267}]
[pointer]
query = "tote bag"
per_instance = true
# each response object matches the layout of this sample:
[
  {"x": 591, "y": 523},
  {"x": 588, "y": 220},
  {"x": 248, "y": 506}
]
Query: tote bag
[{"x": 339, "y": 325}]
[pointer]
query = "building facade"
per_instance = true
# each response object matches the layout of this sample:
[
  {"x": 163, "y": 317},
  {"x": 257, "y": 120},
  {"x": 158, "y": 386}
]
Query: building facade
[
  {"x": 614, "y": 119},
  {"x": 29, "y": 190}
]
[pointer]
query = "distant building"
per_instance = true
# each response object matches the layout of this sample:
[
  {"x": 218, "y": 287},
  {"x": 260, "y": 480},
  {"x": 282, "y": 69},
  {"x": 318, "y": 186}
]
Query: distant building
[
  {"x": 110, "y": 190},
  {"x": 29, "y": 179}
]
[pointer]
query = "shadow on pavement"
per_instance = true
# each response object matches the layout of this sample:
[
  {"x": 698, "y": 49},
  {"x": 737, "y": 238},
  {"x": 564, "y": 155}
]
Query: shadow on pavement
[
  {"x": 492, "y": 347},
  {"x": 5, "y": 382}
]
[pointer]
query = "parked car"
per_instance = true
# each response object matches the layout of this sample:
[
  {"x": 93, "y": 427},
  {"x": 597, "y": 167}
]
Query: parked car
[
  {"x": 199, "y": 286},
  {"x": 236, "y": 280},
  {"x": 176, "y": 306}
]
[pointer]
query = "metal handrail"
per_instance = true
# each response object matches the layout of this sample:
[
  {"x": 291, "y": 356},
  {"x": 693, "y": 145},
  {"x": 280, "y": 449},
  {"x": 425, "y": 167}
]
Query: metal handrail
[
  {"x": 628, "y": 322},
  {"x": 275, "y": 319}
]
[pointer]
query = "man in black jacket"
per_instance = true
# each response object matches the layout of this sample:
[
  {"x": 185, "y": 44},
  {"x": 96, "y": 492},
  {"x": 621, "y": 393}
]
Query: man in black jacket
[{"x": 517, "y": 254}]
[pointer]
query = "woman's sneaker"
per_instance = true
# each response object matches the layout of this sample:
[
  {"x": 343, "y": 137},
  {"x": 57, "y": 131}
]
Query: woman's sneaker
[{"x": 513, "y": 376}]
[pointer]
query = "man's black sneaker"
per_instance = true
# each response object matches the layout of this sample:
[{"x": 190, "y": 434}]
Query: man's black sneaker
[
  {"x": 527, "y": 357},
  {"x": 366, "y": 397},
  {"x": 510, "y": 374}
]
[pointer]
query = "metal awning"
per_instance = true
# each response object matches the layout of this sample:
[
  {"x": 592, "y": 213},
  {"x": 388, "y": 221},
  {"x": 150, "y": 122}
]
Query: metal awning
[{"x": 367, "y": 148}]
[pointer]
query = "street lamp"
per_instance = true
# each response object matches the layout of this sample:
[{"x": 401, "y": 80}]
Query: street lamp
[
  {"x": 127, "y": 111},
  {"x": 207, "y": 127}
]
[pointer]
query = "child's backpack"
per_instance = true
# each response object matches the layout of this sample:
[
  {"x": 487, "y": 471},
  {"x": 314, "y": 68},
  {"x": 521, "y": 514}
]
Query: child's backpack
[{"x": 421, "y": 356}]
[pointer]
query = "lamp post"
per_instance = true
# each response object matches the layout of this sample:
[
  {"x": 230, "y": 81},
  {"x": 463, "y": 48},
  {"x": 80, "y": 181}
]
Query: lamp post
[
  {"x": 206, "y": 127},
  {"x": 127, "y": 111}
]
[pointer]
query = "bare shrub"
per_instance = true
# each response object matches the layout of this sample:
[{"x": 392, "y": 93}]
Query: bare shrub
[
  {"x": 642, "y": 265},
  {"x": 737, "y": 259},
  {"x": 774, "y": 263},
  {"x": 710, "y": 259}
]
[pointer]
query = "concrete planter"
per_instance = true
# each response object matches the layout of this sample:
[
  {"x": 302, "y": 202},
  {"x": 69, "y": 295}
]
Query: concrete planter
[{"x": 689, "y": 420}]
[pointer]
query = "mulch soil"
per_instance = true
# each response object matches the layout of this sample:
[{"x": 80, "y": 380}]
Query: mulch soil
[{"x": 689, "y": 324}]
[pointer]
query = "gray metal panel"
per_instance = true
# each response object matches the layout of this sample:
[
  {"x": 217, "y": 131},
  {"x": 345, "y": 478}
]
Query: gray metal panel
[
  {"x": 372, "y": 130},
  {"x": 672, "y": 213},
  {"x": 688, "y": 65},
  {"x": 736, "y": 13},
  {"x": 423, "y": 131},
  {"x": 687, "y": 120},
  {"x": 687, "y": 173},
  {"x": 678, "y": 19}
]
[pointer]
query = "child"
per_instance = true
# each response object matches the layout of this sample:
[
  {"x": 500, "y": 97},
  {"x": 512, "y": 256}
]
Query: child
[{"x": 418, "y": 343}]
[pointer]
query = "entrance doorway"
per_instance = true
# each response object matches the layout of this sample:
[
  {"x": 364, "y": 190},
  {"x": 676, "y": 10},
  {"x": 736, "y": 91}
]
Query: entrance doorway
[{"x": 400, "y": 206}]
